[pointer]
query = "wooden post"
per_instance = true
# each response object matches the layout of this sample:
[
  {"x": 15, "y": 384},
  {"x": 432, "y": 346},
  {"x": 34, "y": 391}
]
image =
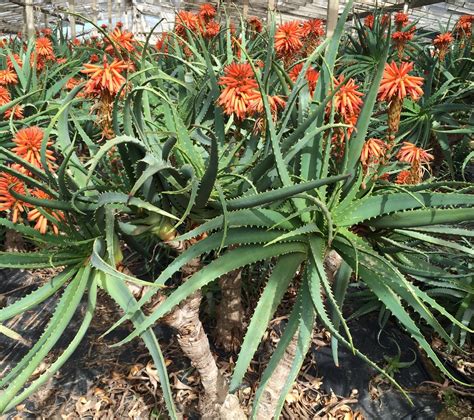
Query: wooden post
[
  {"x": 332, "y": 15},
  {"x": 405, "y": 6},
  {"x": 29, "y": 19},
  {"x": 94, "y": 11},
  {"x": 270, "y": 9},
  {"x": 245, "y": 9},
  {"x": 109, "y": 13},
  {"x": 72, "y": 18}
]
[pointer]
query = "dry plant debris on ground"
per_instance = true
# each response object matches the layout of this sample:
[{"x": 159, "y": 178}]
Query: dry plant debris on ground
[{"x": 123, "y": 382}]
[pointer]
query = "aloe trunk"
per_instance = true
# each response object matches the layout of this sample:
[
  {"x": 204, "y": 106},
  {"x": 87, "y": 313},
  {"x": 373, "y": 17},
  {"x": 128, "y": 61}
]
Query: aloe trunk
[
  {"x": 230, "y": 312},
  {"x": 14, "y": 241},
  {"x": 274, "y": 387},
  {"x": 271, "y": 394},
  {"x": 194, "y": 343}
]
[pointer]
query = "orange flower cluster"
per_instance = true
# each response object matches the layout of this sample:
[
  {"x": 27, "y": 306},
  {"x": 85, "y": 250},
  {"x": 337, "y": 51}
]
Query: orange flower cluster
[
  {"x": 28, "y": 146},
  {"x": 347, "y": 100},
  {"x": 401, "y": 38},
  {"x": 346, "y": 104},
  {"x": 396, "y": 85},
  {"x": 312, "y": 76},
  {"x": 8, "y": 79},
  {"x": 121, "y": 39},
  {"x": 44, "y": 53},
  {"x": 418, "y": 159},
  {"x": 239, "y": 84},
  {"x": 8, "y": 202},
  {"x": 202, "y": 22},
  {"x": 373, "y": 153},
  {"x": 295, "y": 40},
  {"x": 105, "y": 78},
  {"x": 16, "y": 59},
  {"x": 105, "y": 82},
  {"x": 255, "y": 24},
  {"x": 401, "y": 20},
  {"x": 35, "y": 215},
  {"x": 256, "y": 108},
  {"x": 369, "y": 21},
  {"x": 162, "y": 42},
  {"x": 397, "y": 82},
  {"x": 241, "y": 97},
  {"x": 442, "y": 43},
  {"x": 463, "y": 26}
]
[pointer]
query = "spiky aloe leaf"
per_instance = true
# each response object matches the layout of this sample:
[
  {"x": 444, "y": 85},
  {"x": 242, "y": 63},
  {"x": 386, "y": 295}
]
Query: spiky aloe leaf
[
  {"x": 68, "y": 351},
  {"x": 237, "y": 236},
  {"x": 39, "y": 295},
  {"x": 67, "y": 305},
  {"x": 314, "y": 272},
  {"x": 231, "y": 260},
  {"x": 124, "y": 298},
  {"x": 425, "y": 217},
  {"x": 381, "y": 204},
  {"x": 389, "y": 293},
  {"x": 277, "y": 284}
]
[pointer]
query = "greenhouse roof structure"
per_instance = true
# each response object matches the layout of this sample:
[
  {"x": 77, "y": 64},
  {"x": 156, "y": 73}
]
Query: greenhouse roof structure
[{"x": 142, "y": 14}]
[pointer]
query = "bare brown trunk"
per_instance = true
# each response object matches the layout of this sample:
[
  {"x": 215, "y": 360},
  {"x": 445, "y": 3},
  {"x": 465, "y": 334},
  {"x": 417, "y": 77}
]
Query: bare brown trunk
[
  {"x": 332, "y": 262},
  {"x": 14, "y": 241},
  {"x": 230, "y": 312},
  {"x": 274, "y": 386},
  {"x": 215, "y": 403},
  {"x": 195, "y": 345}
]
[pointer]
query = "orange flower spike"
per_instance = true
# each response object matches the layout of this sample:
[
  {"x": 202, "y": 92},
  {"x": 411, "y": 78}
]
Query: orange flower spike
[
  {"x": 122, "y": 39},
  {"x": 212, "y": 29},
  {"x": 401, "y": 20},
  {"x": 313, "y": 27},
  {"x": 207, "y": 12},
  {"x": 369, "y": 21},
  {"x": 347, "y": 100},
  {"x": 256, "y": 105},
  {"x": 312, "y": 76},
  {"x": 414, "y": 155},
  {"x": 4, "y": 96},
  {"x": 239, "y": 82},
  {"x": 9, "y": 182},
  {"x": 443, "y": 40},
  {"x": 28, "y": 145},
  {"x": 442, "y": 43},
  {"x": 17, "y": 60},
  {"x": 464, "y": 26},
  {"x": 288, "y": 38},
  {"x": 44, "y": 47},
  {"x": 186, "y": 20},
  {"x": 41, "y": 220},
  {"x": 8, "y": 77},
  {"x": 396, "y": 82},
  {"x": 17, "y": 111},
  {"x": 372, "y": 151},
  {"x": 105, "y": 77},
  {"x": 404, "y": 177},
  {"x": 255, "y": 23}
]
